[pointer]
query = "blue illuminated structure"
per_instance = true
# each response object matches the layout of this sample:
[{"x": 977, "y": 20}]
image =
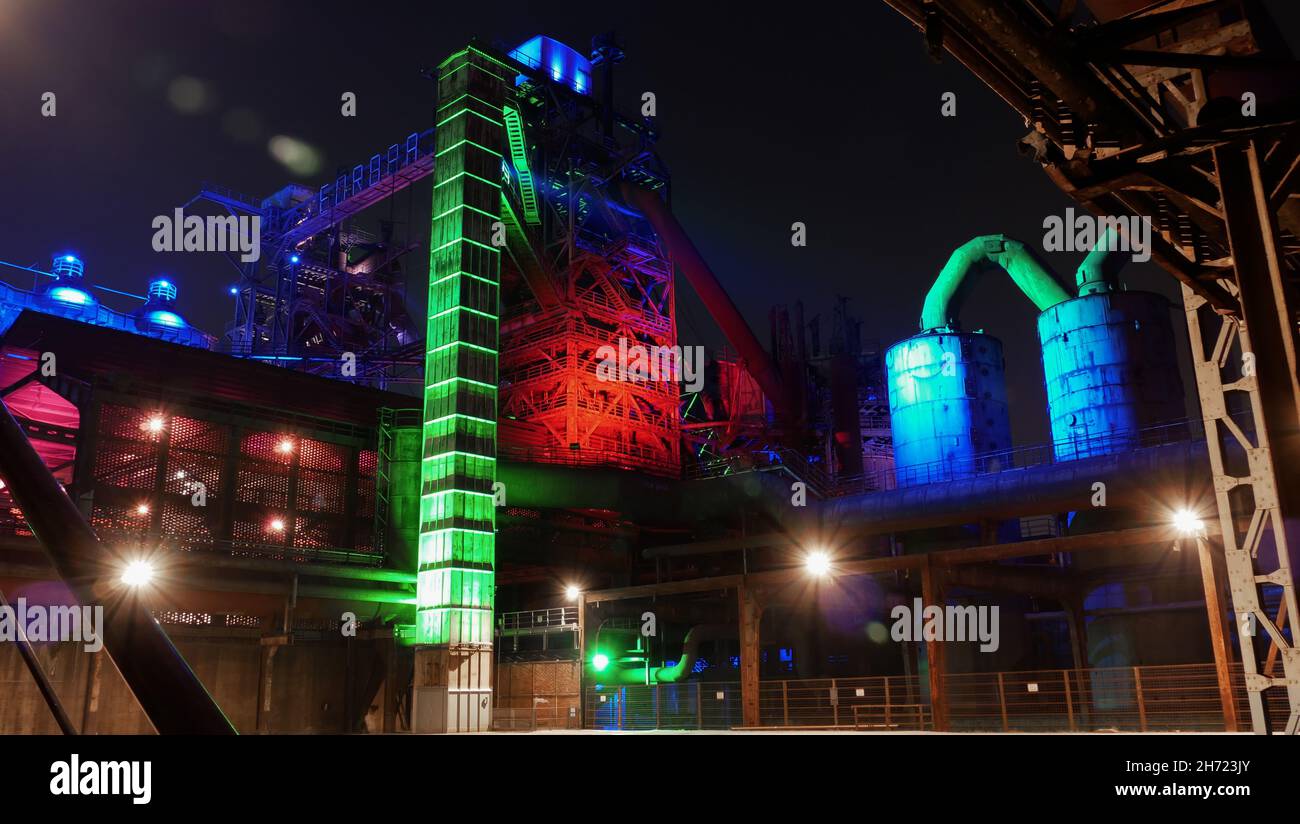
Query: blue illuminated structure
[
  {"x": 947, "y": 406},
  {"x": 68, "y": 295},
  {"x": 158, "y": 317},
  {"x": 1111, "y": 369},
  {"x": 561, "y": 63}
]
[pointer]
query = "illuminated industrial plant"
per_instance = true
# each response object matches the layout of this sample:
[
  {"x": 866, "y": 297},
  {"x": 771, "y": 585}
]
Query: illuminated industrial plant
[{"x": 516, "y": 541}]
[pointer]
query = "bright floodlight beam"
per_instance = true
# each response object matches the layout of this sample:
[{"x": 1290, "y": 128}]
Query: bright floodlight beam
[
  {"x": 817, "y": 563},
  {"x": 137, "y": 574},
  {"x": 572, "y": 592},
  {"x": 1186, "y": 522}
]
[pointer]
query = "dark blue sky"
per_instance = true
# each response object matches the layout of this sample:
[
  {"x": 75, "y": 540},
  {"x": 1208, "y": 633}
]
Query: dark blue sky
[{"x": 825, "y": 113}]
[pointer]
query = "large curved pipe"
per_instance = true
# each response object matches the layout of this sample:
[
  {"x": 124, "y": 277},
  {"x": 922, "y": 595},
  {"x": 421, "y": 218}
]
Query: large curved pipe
[
  {"x": 943, "y": 301},
  {"x": 691, "y": 650},
  {"x": 724, "y": 312},
  {"x": 1097, "y": 272}
]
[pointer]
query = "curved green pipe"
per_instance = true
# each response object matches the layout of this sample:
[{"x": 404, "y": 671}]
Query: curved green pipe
[
  {"x": 943, "y": 302},
  {"x": 1097, "y": 272}
]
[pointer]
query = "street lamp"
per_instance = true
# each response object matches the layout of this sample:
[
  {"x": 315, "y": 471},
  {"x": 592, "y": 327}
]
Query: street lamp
[
  {"x": 137, "y": 573},
  {"x": 1188, "y": 524},
  {"x": 817, "y": 563}
]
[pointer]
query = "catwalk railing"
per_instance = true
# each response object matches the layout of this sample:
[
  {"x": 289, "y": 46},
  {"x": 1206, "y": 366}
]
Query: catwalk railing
[
  {"x": 1168, "y": 698},
  {"x": 814, "y": 474}
]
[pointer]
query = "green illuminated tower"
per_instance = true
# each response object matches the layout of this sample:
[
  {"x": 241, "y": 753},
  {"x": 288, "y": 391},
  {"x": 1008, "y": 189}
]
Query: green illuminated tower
[{"x": 454, "y": 595}]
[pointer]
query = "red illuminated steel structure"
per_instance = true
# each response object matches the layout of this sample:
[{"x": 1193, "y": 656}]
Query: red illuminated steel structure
[
  {"x": 557, "y": 404},
  {"x": 583, "y": 282}
]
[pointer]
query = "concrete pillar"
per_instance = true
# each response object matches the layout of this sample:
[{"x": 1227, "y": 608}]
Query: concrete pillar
[{"x": 270, "y": 646}]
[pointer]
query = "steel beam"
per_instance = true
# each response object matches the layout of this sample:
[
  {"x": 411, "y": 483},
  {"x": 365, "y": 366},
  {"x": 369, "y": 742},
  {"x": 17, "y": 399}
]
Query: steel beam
[
  {"x": 751, "y": 616},
  {"x": 1216, "y": 608},
  {"x": 932, "y": 595},
  {"x": 1259, "y": 352}
]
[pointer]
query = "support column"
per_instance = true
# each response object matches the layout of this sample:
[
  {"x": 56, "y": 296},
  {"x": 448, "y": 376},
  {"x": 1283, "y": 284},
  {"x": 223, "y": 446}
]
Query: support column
[
  {"x": 457, "y": 548},
  {"x": 751, "y": 616},
  {"x": 1254, "y": 355},
  {"x": 1216, "y": 607},
  {"x": 1077, "y": 624},
  {"x": 270, "y": 646},
  {"x": 932, "y": 595}
]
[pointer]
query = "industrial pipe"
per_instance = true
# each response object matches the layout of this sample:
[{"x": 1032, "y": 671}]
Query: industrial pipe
[
  {"x": 168, "y": 691},
  {"x": 724, "y": 312},
  {"x": 695, "y": 636},
  {"x": 943, "y": 301},
  {"x": 1097, "y": 272}
]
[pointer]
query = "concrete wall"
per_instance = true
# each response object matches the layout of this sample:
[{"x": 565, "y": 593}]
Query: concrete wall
[{"x": 310, "y": 684}]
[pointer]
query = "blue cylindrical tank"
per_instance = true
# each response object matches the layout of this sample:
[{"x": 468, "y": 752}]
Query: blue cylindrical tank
[
  {"x": 947, "y": 406},
  {"x": 1111, "y": 368}
]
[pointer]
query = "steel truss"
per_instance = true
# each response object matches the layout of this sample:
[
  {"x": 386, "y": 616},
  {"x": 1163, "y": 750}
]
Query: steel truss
[{"x": 1139, "y": 110}]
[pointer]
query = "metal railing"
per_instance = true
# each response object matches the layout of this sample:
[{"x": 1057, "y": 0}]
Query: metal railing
[
  {"x": 1162, "y": 698},
  {"x": 554, "y": 618},
  {"x": 788, "y": 460}
]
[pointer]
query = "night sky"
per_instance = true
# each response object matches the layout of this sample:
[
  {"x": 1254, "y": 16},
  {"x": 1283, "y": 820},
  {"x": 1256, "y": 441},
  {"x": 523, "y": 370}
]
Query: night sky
[{"x": 821, "y": 113}]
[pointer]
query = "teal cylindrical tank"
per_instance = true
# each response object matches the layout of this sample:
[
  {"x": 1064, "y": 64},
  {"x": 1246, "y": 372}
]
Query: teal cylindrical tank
[
  {"x": 947, "y": 406},
  {"x": 1111, "y": 368}
]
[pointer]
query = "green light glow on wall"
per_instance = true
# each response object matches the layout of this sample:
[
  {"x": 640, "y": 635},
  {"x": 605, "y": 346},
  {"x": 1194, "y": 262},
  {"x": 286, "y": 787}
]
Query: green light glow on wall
[{"x": 455, "y": 579}]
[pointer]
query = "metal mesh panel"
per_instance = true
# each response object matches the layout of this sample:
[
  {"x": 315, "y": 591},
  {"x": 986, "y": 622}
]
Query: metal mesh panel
[
  {"x": 268, "y": 446},
  {"x": 320, "y": 491},
  {"x": 193, "y": 619},
  {"x": 326, "y": 457},
  {"x": 199, "y": 436},
  {"x": 259, "y": 530},
  {"x": 186, "y": 522},
  {"x": 126, "y": 464},
  {"x": 274, "y": 470},
  {"x": 263, "y": 483},
  {"x": 129, "y": 424},
  {"x": 117, "y": 516},
  {"x": 185, "y": 469},
  {"x": 314, "y": 532}
]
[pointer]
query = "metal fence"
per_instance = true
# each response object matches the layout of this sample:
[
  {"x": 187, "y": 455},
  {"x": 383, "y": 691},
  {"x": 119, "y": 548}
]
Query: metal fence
[
  {"x": 690, "y": 706},
  {"x": 1182, "y": 697}
]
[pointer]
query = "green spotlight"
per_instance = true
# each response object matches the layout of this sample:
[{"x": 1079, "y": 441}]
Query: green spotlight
[{"x": 600, "y": 661}]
